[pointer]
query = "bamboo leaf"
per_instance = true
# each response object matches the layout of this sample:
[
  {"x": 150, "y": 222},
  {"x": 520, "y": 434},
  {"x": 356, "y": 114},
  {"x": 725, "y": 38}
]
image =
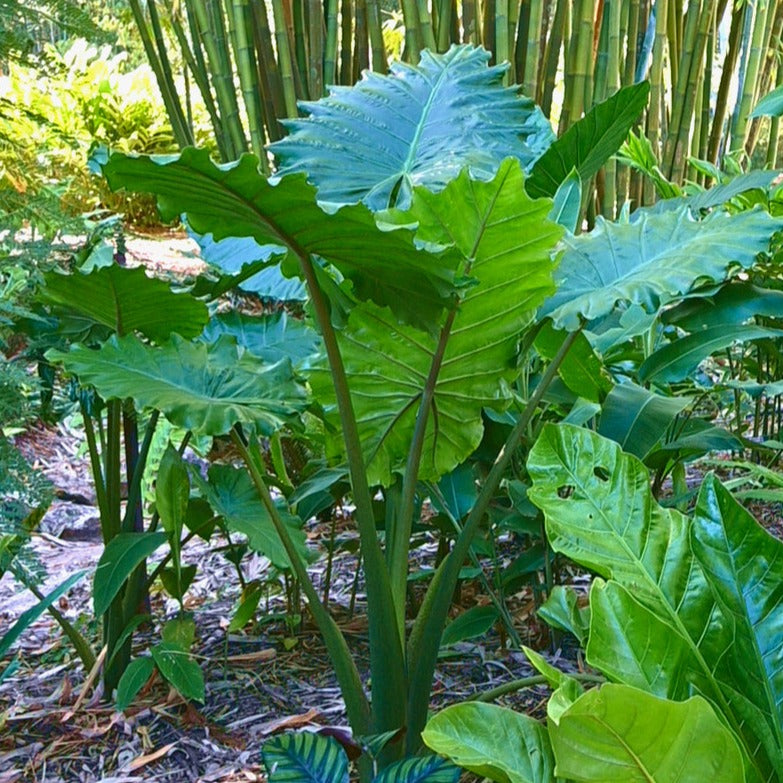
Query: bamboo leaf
[{"x": 420, "y": 125}]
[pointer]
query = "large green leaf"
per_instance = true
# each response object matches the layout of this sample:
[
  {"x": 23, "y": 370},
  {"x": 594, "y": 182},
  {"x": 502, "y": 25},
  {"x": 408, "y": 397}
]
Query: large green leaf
[
  {"x": 204, "y": 389},
  {"x": 232, "y": 495},
  {"x": 234, "y": 200},
  {"x": 271, "y": 337},
  {"x": 132, "y": 681},
  {"x": 126, "y": 301},
  {"x": 231, "y": 254},
  {"x": 493, "y": 742},
  {"x": 743, "y": 564},
  {"x": 638, "y": 418},
  {"x": 656, "y": 625},
  {"x": 735, "y": 303},
  {"x": 617, "y": 734},
  {"x": 119, "y": 559},
  {"x": 676, "y": 360},
  {"x": 590, "y": 142},
  {"x": 305, "y": 758},
  {"x": 506, "y": 243},
  {"x": 652, "y": 260},
  {"x": 420, "y": 125}
]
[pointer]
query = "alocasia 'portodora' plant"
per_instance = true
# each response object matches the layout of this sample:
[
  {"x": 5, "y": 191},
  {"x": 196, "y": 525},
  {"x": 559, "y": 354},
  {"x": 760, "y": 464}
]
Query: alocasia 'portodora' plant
[{"x": 423, "y": 289}]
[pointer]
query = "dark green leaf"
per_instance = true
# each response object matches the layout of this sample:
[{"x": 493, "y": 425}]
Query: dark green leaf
[
  {"x": 248, "y": 603},
  {"x": 120, "y": 557},
  {"x": 234, "y": 200},
  {"x": 676, "y": 360},
  {"x": 204, "y": 389},
  {"x": 458, "y": 491},
  {"x": 589, "y": 142},
  {"x": 638, "y": 418},
  {"x": 177, "y": 581},
  {"x": 305, "y": 758},
  {"x": 419, "y": 126},
  {"x": 126, "y": 300},
  {"x": 232, "y": 495},
  {"x": 132, "y": 681},
  {"x": 180, "y": 670},
  {"x": 562, "y": 610},
  {"x": 474, "y": 622}
]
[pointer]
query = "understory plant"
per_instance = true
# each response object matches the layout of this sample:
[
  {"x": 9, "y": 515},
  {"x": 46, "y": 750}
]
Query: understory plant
[
  {"x": 424, "y": 212},
  {"x": 683, "y": 620}
]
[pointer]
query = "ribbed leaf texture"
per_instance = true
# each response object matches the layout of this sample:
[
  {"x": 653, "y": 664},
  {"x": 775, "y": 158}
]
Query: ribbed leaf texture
[
  {"x": 429, "y": 769},
  {"x": 617, "y": 734},
  {"x": 493, "y": 742},
  {"x": 657, "y": 624},
  {"x": 305, "y": 758},
  {"x": 234, "y": 200},
  {"x": 204, "y": 389},
  {"x": 271, "y": 336},
  {"x": 506, "y": 244},
  {"x": 652, "y": 260},
  {"x": 126, "y": 301},
  {"x": 420, "y": 125}
]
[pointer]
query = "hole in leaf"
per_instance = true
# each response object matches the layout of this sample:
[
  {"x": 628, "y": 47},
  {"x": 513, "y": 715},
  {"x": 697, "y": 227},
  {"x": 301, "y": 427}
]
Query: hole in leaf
[
  {"x": 565, "y": 491},
  {"x": 601, "y": 473}
]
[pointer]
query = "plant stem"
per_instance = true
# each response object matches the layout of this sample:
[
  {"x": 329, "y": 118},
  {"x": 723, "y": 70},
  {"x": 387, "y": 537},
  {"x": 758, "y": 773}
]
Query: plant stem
[
  {"x": 531, "y": 682},
  {"x": 424, "y": 641}
]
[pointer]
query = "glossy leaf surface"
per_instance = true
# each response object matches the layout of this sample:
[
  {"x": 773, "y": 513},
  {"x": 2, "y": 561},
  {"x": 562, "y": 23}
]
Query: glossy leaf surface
[
  {"x": 207, "y": 390},
  {"x": 492, "y": 742},
  {"x": 234, "y": 200},
  {"x": 420, "y": 125},
  {"x": 652, "y": 260}
]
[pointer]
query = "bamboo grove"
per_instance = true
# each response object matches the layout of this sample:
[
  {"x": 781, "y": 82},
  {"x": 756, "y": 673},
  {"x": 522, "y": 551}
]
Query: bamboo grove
[{"x": 707, "y": 61}]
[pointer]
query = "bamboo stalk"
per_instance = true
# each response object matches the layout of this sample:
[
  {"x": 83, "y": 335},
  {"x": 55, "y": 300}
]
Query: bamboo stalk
[
  {"x": 581, "y": 66},
  {"x": 530, "y": 82},
  {"x": 629, "y": 71},
  {"x": 772, "y": 53},
  {"x": 246, "y": 66},
  {"x": 729, "y": 66},
  {"x": 760, "y": 9},
  {"x": 375, "y": 28},
  {"x": 163, "y": 78},
  {"x": 284, "y": 58},
  {"x": 330, "y": 48},
  {"x": 502, "y": 46},
  {"x": 469, "y": 22},
  {"x": 316, "y": 46},
  {"x": 361, "y": 50},
  {"x": 222, "y": 80},
  {"x": 268, "y": 71},
  {"x": 613, "y": 85},
  {"x": 558, "y": 33},
  {"x": 657, "y": 89},
  {"x": 346, "y": 32}
]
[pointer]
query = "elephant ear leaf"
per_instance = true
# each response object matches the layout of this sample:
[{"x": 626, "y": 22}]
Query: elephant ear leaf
[
  {"x": 506, "y": 244},
  {"x": 204, "y": 389},
  {"x": 429, "y": 121},
  {"x": 126, "y": 301},
  {"x": 651, "y": 260},
  {"x": 606, "y": 735},
  {"x": 743, "y": 565},
  {"x": 235, "y": 200}
]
